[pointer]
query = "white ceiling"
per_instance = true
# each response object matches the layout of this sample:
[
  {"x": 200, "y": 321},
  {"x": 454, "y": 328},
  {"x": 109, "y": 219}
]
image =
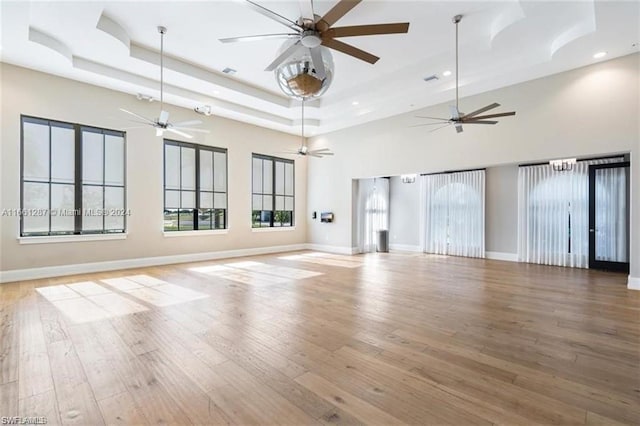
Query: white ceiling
[{"x": 501, "y": 43}]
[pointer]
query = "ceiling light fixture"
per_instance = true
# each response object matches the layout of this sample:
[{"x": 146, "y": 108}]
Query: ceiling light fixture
[
  {"x": 447, "y": 73},
  {"x": 354, "y": 103},
  {"x": 599, "y": 55}
]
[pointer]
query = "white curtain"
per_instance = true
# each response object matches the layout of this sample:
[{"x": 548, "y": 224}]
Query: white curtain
[
  {"x": 454, "y": 222},
  {"x": 553, "y": 215},
  {"x": 611, "y": 215},
  {"x": 372, "y": 211}
]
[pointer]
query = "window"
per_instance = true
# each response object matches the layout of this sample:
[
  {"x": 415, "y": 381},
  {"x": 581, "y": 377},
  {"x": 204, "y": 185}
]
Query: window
[
  {"x": 272, "y": 195},
  {"x": 454, "y": 222},
  {"x": 195, "y": 187},
  {"x": 72, "y": 179}
]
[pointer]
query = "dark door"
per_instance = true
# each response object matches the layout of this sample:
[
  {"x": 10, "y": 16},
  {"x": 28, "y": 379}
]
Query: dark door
[{"x": 609, "y": 216}]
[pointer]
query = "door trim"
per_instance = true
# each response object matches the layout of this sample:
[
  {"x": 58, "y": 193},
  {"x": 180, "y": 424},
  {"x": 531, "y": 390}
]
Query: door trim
[{"x": 602, "y": 264}]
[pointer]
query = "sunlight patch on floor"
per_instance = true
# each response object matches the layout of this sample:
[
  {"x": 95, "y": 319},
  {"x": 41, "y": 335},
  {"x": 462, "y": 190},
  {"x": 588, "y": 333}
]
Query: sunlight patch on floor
[
  {"x": 325, "y": 259},
  {"x": 87, "y": 301},
  {"x": 153, "y": 290},
  {"x": 240, "y": 275}
]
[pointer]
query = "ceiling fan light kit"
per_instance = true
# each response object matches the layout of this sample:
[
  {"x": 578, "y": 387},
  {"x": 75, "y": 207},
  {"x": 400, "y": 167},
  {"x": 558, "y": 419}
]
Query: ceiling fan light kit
[
  {"x": 162, "y": 124},
  {"x": 459, "y": 118},
  {"x": 311, "y": 36}
]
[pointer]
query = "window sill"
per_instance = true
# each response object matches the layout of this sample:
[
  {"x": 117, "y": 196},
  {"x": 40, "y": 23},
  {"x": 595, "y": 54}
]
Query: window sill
[
  {"x": 173, "y": 234},
  {"x": 71, "y": 238},
  {"x": 274, "y": 229}
]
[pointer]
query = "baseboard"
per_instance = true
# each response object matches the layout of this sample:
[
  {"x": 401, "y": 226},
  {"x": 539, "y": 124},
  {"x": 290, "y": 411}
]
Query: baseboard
[
  {"x": 633, "y": 283},
  {"x": 497, "y": 255},
  {"x": 332, "y": 249},
  {"x": 84, "y": 268},
  {"x": 405, "y": 247}
]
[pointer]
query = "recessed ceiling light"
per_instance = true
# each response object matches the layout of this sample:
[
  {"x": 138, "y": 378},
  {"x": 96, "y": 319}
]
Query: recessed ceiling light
[
  {"x": 447, "y": 73},
  {"x": 599, "y": 55},
  {"x": 355, "y": 103},
  {"x": 216, "y": 92}
]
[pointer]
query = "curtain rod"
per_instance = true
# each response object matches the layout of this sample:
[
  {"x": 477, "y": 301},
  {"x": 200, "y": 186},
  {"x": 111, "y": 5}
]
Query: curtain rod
[
  {"x": 452, "y": 171},
  {"x": 623, "y": 156}
]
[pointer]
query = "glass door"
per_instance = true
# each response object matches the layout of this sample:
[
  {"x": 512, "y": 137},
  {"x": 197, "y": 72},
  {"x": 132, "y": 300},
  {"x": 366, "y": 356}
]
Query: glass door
[{"x": 609, "y": 216}]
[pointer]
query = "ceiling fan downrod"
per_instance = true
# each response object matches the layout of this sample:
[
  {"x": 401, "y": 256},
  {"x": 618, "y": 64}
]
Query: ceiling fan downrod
[
  {"x": 456, "y": 20},
  {"x": 162, "y": 30}
]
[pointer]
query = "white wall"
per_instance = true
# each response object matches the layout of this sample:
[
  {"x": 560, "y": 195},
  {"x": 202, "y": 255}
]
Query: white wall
[
  {"x": 585, "y": 112},
  {"x": 404, "y": 214},
  {"x": 47, "y": 96}
]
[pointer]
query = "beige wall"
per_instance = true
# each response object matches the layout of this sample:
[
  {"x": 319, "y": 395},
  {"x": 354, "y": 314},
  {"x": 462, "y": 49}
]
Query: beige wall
[
  {"x": 584, "y": 112},
  {"x": 43, "y": 95},
  {"x": 501, "y": 204}
]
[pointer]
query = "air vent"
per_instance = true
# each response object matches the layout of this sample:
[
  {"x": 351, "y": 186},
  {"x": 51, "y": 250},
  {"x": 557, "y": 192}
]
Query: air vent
[
  {"x": 229, "y": 71},
  {"x": 431, "y": 78}
]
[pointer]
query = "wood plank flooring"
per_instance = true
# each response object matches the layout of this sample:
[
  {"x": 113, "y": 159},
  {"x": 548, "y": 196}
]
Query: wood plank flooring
[{"x": 311, "y": 338}]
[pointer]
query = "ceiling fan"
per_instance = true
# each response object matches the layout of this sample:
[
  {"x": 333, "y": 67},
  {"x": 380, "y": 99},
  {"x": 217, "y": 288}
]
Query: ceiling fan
[
  {"x": 304, "y": 150},
  {"x": 162, "y": 124},
  {"x": 311, "y": 31},
  {"x": 458, "y": 118}
]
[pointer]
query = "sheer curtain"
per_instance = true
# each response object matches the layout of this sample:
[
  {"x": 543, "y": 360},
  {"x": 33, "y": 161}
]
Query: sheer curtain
[
  {"x": 372, "y": 211},
  {"x": 454, "y": 222},
  {"x": 611, "y": 215},
  {"x": 553, "y": 214}
]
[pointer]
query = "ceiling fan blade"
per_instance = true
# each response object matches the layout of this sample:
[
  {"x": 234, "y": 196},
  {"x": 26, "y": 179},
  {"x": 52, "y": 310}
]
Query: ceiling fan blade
[
  {"x": 187, "y": 123},
  {"x": 319, "y": 153},
  {"x": 164, "y": 118},
  {"x": 321, "y": 149},
  {"x": 318, "y": 63},
  {"x": 365, "y": 30},
  {"x": 258, "y": 37},
  {"x": 480, "y": 122},
  {"x": 144, "y": 119},
  {"x": 272, "y": 15},
  {"x": 455, "y": 114},
  {"x": 189, "y": 129},
  {"x": 458, "y": 128},
  {"x": 438, "y": 128},
  {"x": 429, "y": 124},
  {"x": 338, "y": 11},
  {"x": 178, "y": 132},
  {"x": 306, "y": 9},
  {"x": 432, "y": 118},
  {"x": 283, "y": 56},
  {"x": 481, "y": 110},
  {"x": 350, "y": 50},
  {"x": 311, "y": 154},
  {"x": 501, "y": 114}
]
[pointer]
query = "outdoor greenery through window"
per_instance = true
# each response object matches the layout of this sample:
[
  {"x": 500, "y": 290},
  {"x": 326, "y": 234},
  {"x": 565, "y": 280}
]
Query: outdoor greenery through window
[
  {"x": 72, "y": 179},
  {"x": 195, "y": 187},
  {"x": 272, "y": 192}
]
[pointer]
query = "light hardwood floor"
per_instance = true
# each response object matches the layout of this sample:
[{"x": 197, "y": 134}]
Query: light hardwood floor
[{"x": 306, "y": 338}]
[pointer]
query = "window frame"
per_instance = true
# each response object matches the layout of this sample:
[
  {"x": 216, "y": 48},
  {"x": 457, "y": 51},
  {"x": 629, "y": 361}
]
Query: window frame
[
  {"x": 77, "y": 178},
  {"x": 273, "y": 192},
  {"x": 197, "y": 209}
]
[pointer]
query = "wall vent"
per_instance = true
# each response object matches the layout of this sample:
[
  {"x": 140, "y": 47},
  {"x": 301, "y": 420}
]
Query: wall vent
[
  {"x": 229, "y": 71},
  {"x": 431, "y": 78}
]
